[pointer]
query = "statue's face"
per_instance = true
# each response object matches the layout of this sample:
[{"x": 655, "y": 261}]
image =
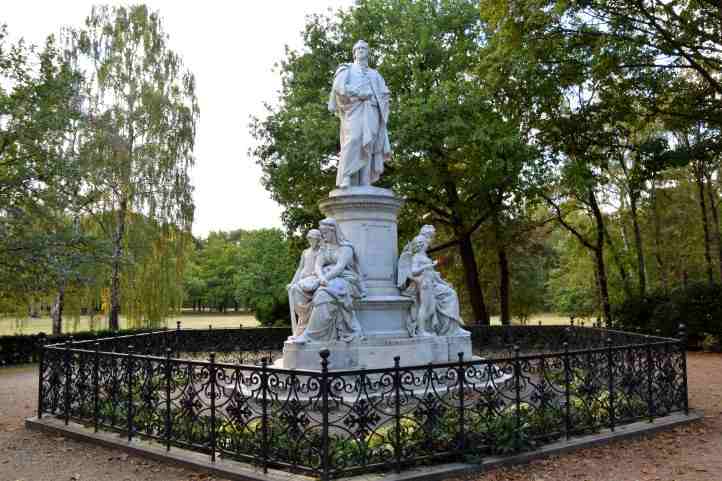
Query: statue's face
[
  {"x": 328, "y": 233},
  {"x": 361, "y": 53},
  {"x": 428, "y": 232},
  {"x": 419, "y": 244},
  {"x": 313, "y": 240}
]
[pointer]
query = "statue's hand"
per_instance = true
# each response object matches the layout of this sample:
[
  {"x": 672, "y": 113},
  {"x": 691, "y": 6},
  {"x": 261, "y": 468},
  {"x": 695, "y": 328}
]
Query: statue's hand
[{"x": 324, "y": 281}]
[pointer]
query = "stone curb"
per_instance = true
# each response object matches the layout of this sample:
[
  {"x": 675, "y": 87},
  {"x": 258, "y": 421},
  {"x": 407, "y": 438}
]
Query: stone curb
[{"x": 244, "y": 472}]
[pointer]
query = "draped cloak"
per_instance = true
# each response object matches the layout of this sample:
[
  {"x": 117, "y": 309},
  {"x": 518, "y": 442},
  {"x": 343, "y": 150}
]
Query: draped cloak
[{"x": 364, "y": 138}]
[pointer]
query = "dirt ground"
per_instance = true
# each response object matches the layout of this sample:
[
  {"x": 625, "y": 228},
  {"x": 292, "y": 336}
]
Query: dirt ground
[{"x": 690, "y": 453}]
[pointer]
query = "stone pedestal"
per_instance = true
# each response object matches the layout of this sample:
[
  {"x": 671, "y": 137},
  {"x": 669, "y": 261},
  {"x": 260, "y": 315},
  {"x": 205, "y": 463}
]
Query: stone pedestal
[
  {"x": 367, "y": 216},
  {"x": 376, "y": 352}
]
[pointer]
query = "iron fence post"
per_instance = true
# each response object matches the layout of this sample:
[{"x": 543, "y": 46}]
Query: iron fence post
[
  {"x": 567, "y": 392},
  {"x": 96, "y": 386},
  {"x": 212, "y": 380},
  {"x": 325, "y": 461},
  {"x": 264, "y": 411},
  {"x": 462, "y": 432},
  {"x": 650, "y": 380},
  {"x": 168, "y": 381},
  {"x": 177, "y": 338},
  {"x": 517, "y": 400},
  {"x": 610, "y": 374},
  {"x": 129, "y": 373},
  {"x": 397, "y": 412},
  {"x": 683, "y": 352},
  {"x": 41, "y": 368},
  {"x": 68, "y": 377}
]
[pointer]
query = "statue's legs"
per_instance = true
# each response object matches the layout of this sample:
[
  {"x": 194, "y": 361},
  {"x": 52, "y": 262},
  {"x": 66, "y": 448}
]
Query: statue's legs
[
  {"x": 365, "y": 175},
  {"x": 362, "y": 177}
]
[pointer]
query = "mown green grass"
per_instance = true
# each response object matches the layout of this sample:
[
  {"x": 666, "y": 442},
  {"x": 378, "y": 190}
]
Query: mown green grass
[
  {"x": 9, "y": 326},
  {"x": 546, "y": 318},
  {"x": 190, "y": 320}
]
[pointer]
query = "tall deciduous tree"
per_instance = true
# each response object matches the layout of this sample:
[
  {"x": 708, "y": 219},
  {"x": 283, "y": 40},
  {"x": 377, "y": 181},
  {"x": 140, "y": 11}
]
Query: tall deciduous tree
[
  {"x": 456, "y": 156},
  {"x": 141, "y": 112},
  {"x": 40, "y": 177}
]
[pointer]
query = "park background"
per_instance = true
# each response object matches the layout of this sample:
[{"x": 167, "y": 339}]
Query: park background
[{"x": 567, "y": 153}]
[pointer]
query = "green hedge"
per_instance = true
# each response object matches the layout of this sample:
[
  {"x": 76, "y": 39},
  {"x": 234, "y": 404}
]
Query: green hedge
[
  {"x": 698, "y": 306},
  {"x": 24, "y": 348}
]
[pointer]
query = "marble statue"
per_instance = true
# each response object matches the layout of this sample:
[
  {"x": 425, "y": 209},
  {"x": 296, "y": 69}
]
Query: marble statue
[
  {"x": 435, "y": 309},
  {"x": 360, "y": 98},
  {"x": 304, "y": 284},
  {"x": 332, "y": 313},
  {"x": 428, "y": 231}
]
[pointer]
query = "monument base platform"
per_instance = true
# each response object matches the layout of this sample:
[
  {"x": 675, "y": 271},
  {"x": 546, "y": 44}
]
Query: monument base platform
[{"x": 376, "y": 352}]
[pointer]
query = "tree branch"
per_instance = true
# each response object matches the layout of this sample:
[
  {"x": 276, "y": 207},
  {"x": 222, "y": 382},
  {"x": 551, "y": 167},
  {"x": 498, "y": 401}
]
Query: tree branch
[{"x": 569, "y": 227}]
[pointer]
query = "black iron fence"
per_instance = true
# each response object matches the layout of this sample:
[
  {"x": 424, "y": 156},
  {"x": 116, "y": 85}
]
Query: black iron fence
[{"x": 337, "y": 423}]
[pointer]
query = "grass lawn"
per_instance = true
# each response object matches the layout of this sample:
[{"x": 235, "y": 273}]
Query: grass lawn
[
  {"x": 546, "y": 318},
  {"x": 191, "y": 320},
  {"x": 9, "y": 326}
]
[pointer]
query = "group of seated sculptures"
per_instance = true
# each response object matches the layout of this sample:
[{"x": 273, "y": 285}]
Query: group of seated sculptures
[{"x": 328, "y": 285}]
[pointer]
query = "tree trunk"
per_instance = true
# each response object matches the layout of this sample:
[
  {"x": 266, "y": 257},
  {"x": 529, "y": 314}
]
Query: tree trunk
[
  {"x": 473, "y": 287},
  {"x": 113, "y": 323},
  {"x": 56, "y": 311},
  {"x": 705, "y": 222},
  {"x": 504, "y": 282},
  {"x": 713, "y": 199},
  {"x": 658, "y": 238},
  {"x": 504, "y": 286},
  {"x": 633, "y": 199},
  {"x": 597, "y": 284},
  {"x": 599, "y": 256},
  {"x": 619, "y": 262}
]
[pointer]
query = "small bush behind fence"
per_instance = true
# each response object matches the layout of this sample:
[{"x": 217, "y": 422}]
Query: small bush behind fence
[{"x": 337, "y": 423}]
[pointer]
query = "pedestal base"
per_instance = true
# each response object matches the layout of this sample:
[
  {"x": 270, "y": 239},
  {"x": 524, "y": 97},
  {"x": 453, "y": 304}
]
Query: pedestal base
[{"x": 376, "y": 352}]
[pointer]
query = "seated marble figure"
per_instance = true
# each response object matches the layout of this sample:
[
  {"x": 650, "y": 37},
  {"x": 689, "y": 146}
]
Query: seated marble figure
[
  {"x": 435, "y": 308},
  {"x": 304, "y": 284},
  {"x": 334, "y": 287}
]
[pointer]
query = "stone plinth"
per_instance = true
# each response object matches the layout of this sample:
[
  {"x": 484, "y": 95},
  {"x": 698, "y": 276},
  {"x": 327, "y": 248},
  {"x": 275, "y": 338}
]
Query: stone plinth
[
  {"x": 384, "y": 316},
  {"x": 376, "y": 352},
  {"x": 367, "y": 217}
]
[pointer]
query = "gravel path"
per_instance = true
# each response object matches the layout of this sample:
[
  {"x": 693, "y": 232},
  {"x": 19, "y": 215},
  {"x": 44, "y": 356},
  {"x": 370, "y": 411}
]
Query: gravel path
[{"x": 690, "y": 453}]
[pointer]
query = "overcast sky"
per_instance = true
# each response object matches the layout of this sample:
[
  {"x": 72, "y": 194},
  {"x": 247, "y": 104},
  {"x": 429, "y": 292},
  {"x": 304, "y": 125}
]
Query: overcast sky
[{"x": 231, "y": 47}]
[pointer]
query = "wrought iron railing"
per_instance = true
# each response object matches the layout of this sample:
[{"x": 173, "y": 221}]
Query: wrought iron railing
[{"x": 337, "y": 423}]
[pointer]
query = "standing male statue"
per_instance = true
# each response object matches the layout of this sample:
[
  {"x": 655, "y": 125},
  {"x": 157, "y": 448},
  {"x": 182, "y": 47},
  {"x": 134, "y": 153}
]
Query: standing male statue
[{"x": 360, "y": 98}]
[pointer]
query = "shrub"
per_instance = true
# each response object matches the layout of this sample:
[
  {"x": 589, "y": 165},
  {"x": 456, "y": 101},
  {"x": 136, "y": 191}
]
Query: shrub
[{"x": 698, "y": 306}]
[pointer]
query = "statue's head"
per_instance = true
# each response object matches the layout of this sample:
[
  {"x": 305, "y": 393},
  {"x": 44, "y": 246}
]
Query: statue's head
[
  {"x": 313, "y": 237},
  {"x": 361, "y": 51},
  {"x": 329, "y": 231},
  {"x": 420, "y": 243},
  {"x": 428, "y": 231}
]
